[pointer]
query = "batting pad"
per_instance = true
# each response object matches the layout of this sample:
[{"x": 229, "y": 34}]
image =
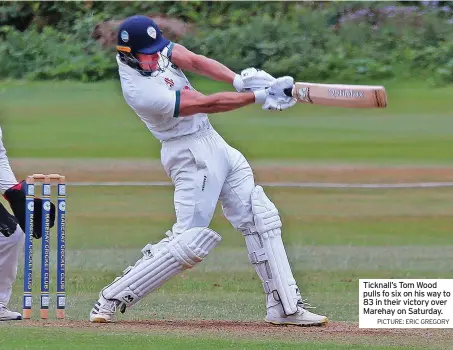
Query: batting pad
[
  {"x": 160, "y": 263},
  {"x": 267, "y": 252}
]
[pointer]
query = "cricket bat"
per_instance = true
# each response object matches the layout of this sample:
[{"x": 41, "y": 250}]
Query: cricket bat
[{"x": 338, "y": 95}]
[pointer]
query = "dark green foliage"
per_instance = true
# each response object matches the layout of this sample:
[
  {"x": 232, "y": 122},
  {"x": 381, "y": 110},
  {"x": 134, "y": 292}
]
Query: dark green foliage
[
  {"x": 308, "y": 48},
  {"x": 54, "y": 54},
  {"x": 317, "y": 41}
]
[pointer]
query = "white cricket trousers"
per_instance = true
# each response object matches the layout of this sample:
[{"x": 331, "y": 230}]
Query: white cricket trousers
[
  {"x": 205, "y": 169},
  {"x": 10, "y": 247}
]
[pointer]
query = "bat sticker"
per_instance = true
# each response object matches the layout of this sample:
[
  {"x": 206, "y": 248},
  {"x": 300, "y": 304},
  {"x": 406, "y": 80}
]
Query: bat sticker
[
  {"x": 346, "y": 93},
  {"x": 304, "y": 94}
]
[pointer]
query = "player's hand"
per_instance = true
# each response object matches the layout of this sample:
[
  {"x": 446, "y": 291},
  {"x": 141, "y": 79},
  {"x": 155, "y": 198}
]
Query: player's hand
[
  {"x": 274, "y": 97},
  {"x": 278, "y": 87},
  {"x": 274, "y": 103},
  {"x": 8, "y": 222},
  {"x": 252, "y": 79}
]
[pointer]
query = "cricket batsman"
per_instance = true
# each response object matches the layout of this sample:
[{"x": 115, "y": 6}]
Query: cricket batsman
[{"x": 204, "y": 169}]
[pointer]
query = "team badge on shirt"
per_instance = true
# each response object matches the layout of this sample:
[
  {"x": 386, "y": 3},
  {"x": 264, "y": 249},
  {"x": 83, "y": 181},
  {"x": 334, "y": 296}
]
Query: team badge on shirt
[{"x": 169, "y": 82}]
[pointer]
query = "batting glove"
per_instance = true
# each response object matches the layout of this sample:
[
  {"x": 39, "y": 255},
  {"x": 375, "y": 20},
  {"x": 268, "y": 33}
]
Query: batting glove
[{"x": 252, "y": 79}]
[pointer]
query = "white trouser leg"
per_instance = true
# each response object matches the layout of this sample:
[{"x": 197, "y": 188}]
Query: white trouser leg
[
  {"x": 197, "y": 167},
  {"x": 7, "y": 178},
  {"x": 10, "y": 249}
]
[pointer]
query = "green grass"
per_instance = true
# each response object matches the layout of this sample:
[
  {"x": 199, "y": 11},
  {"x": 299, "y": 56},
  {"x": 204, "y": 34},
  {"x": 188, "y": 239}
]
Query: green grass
[
  {"x": 333, "y": 237},
  {"x": 69, "y": 119},
  {"x": 95, "y": 340},
  {"x": 311, "y": 217}
]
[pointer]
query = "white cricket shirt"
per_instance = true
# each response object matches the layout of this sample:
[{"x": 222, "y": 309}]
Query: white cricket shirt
[{"x": 156, "y": 100}]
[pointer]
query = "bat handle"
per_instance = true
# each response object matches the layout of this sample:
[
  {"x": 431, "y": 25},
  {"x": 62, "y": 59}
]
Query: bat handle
[{"x": 288, "y": 92}]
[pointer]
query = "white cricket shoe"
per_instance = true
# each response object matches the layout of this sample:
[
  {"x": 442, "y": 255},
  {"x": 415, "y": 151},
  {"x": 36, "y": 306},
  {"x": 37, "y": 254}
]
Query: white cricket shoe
[
  {"x": 302, "y": 317},
  {"x": 104, "y": 311},
  {"x": 8, "y": 315}
]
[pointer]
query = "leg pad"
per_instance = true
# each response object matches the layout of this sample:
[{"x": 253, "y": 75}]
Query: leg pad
[{"x": 168, "y": 258}]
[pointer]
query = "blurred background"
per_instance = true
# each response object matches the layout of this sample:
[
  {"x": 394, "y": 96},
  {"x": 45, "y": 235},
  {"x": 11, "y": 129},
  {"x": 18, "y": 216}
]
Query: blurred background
[
  {"x": 361, "y": 193},
  {"x": 312, "y": 40}
]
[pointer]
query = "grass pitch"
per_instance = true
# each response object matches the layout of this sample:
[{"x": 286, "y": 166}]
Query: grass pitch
[
  {"x": 333, "y": 237},
  {"x": 68, "y": 120}
]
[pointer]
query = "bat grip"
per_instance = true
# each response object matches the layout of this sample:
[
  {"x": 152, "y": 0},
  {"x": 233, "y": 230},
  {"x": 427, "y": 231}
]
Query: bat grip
[{"x": 288, "y": 92}]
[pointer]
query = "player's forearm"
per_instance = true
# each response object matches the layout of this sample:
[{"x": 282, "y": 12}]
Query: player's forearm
[{"x": 216, "y": 103}]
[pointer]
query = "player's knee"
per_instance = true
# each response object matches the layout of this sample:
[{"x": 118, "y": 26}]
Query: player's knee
[
  {"x": 193, "y": 245},
  {"x": 265, "y": 213},
  {"x": 262, "y": 216}
]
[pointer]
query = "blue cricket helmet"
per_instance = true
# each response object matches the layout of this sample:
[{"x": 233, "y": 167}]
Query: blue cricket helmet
[{"x": 140, "y": 34}]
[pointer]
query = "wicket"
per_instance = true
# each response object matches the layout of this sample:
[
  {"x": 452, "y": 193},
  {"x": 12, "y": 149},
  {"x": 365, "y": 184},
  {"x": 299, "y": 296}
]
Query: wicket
[{"x": 46, "y": 181}]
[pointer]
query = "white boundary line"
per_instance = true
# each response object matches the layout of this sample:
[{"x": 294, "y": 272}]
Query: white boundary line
[{"x": 277, "y": 184}]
